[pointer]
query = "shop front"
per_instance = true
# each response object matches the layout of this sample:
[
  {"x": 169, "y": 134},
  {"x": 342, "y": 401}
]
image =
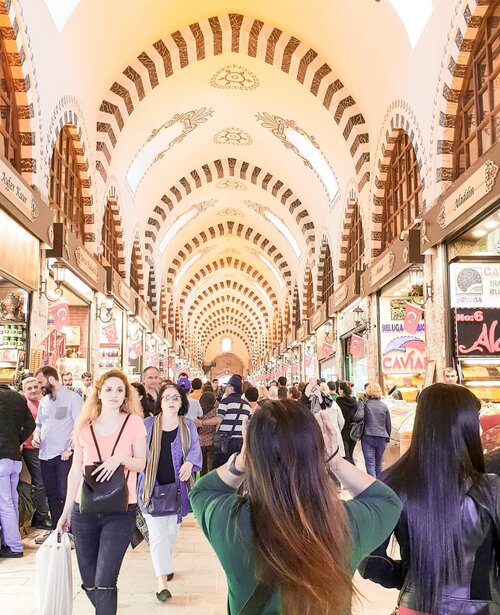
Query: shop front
[
  {"x": 324, "y": 355},
  {"x": 466, "y": 220},
  {"x": 396, "y": 278},
  {"x": 73, "y": 278},
  {"x": 26, "y": 224},
  {"x": 139, "y": 325},
  {"x": 306, "y": 371}
]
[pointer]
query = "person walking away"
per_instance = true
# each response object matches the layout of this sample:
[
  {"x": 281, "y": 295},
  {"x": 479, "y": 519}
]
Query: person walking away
[
  {"x": 55, "y": 421},
  {"x": 41, "y": 519},
  {"x": 173, "y": 455},
  {"x": 348, "y": 406},
  {"x": 230, "y": 415},
  {"x": 109, "y": 433},
  {"x": 290, "y": 544},
  {"x": 194, "y": 412},
  {"x": 16, "y": 425},
  {"x": 377, "y": 429},
  {"x": 448, "y": 531},
  {"x": 151, "y": 382},
  {"x": 196, "y": 391},
  {"x": 206, "y": 430},
  {"x": 252, "y": 397},
  {"x": 294, "y": 393},
  {"x": 273, "y": 392}
]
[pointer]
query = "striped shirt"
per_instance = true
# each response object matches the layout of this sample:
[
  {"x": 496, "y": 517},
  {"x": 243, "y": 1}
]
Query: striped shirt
[{"x": 231, "y": 410}]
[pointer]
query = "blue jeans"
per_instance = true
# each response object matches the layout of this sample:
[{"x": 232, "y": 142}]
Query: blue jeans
[
  {"x": 101, "y": 541},
  {"x": 32, "y": 461},
  {"x": 55, "y": 478},
  {"x": 373, "y": 449}
]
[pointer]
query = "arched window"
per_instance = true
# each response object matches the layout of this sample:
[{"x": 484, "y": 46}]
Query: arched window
[
  {"x": 9, "y": 122},
  {"x": 477, "y": 125},
  {"x": 226, "y": 344},
  {"x": 309, "y": 294},
  {"x": 109, "y": 239},
  {"x": 327, "y": 282},
  {"x": 65, "y": 190},
  {"x": 134, "y": 270},
  {"x": 356, "y": 244},
  {"x": 403, "y": 190},
  {"x": 296, "y": 308}
]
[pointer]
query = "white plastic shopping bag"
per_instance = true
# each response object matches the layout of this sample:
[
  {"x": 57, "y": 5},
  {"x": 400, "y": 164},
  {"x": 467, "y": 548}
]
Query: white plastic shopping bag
[{"x": 54, "y": 578}]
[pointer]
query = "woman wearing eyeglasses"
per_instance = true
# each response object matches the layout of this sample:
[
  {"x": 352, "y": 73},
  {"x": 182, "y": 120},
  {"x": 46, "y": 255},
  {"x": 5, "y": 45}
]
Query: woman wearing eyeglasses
[{"x": 173, "y": 455}]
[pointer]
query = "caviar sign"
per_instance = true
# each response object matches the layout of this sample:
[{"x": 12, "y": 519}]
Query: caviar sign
[{"x": 477, "y": 332}]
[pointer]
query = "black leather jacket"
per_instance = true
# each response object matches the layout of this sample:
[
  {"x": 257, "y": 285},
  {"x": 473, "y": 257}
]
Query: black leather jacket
[{"x": 477, "y": 591}]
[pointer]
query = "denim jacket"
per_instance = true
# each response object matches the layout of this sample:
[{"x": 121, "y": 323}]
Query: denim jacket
[{"x": 194, "y": 456}]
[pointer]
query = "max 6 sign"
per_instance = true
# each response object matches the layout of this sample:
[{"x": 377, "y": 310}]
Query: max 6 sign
[{"x": 477, "y": 332}]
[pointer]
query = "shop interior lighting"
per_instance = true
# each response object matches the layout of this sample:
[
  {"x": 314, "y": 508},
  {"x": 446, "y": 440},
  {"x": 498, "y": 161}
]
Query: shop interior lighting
[
  {"x": 283, "y": 229},
  {"x": 176, "y": 227},
  {"x": 318, "y": 162},
  {"x": 479, "y": 232},
  {"x": 107, "y": 305},
  {"x": 491, "y": 224},
  {"x": 483, "y": 383},
  {"x": 186, "y": 266},
  {"x": 275, "y": 273},
  {"x": 55, "y": 295},
  {"x": 416, "y": 276}
]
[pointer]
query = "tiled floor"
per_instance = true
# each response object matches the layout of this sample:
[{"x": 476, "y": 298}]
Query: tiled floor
[{"x": 199, "y": 586}]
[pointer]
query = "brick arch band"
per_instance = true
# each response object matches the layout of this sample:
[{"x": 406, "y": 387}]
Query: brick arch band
[
  {"x": 216, "y": 292},
  {"x": 350, "y": 212},
  {"x": 461, "y": 45},
  {"x": 233, "y": 264},
  {"x": 325, "y": 244},
  {"x": 226, "y": 332},
  {"x": 140, "y": 266},
  {"x": 238, "y": 320},
  {"x": 112, "y": 203},
  {"x": 229, "y": 301},
  {"x": 230, "y": 167},
  {"x": 229, "y": 228},
  {"x": 17, "y": 58},
  {"x": 231, "y": 33},
  {"x": 304, "y": 293}
]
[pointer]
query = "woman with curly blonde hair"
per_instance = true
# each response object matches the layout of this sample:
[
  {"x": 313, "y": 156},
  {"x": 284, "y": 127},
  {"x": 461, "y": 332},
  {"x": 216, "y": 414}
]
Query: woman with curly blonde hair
[{"x": 108, "y": 434}]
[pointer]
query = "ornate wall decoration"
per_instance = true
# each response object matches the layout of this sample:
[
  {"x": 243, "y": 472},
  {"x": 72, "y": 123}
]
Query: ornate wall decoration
[
  {"x": 230, "y": 212},
  {"x": 234, "y": 77},
  {"x": 204, "y": 205},
  {"x": 260, "y": 209},
  {"x": 231, "y": 183},
  {"x": 233, "y": 136}
]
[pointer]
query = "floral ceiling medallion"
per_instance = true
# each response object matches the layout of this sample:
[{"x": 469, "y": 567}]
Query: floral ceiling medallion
[
  {"x": 231, "y": 184},
  {"x": 230, "y": 212},
  {"x": 233, "y": 136},
  {"x": 234, "y": 77}
]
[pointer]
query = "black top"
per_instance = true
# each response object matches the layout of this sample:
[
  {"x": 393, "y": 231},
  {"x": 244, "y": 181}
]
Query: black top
[
  {"x": 166, "y": 473},
  {"x": 16, "y": 423},
  {"x": 148, "y": 405},
  {"x": 348, "y": 405}
]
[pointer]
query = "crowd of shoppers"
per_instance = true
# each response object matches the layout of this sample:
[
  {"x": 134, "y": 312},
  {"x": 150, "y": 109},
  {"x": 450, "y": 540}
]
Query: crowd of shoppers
[{"x": 288, "y": 544}]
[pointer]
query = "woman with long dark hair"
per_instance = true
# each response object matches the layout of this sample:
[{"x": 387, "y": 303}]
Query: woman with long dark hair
[
  {"x": 291, "y": 545},
  {"x": 449, "y": 526}
]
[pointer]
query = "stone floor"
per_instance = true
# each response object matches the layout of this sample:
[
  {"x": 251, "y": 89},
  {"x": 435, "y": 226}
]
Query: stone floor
[{"x": 199, "y": 586}]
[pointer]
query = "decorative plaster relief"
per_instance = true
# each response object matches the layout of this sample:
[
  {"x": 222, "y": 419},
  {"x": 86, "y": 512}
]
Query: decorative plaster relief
[
  {"x": 233, "y": 136},
  {"x": 234, "y": 77},
  {"x": 231, "y": 184},
  {"x": 230, "y": 212}
]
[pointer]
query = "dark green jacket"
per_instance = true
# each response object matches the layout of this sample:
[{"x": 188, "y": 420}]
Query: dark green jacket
[{"x": 372, "y": 515}]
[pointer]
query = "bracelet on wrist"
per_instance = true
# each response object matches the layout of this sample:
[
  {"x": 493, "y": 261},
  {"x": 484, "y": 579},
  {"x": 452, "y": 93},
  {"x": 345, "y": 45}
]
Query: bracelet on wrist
[{"x": 333, "y": 455}]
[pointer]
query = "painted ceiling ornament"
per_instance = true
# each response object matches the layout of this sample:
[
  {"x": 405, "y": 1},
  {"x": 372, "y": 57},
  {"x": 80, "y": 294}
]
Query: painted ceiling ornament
[
  {"x": 233, "y": 136},
  {"x": 278, "y": 125},
  {"x": 204, "y": 205},
  {"x": 190, "y": 120},
  {"x": 260, "y": 209},
  {"x": 234, "y": 77},
  {"x": 231, "y": 183},
  {"x": 230, "y": 212}
]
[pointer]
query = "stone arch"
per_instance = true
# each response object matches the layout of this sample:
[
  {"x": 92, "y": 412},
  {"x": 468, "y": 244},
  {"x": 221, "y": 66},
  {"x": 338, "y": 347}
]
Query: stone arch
[
  {"x": 112, "y": 203},
  {"x": 17, "y": 58},
  {"x": 351, "y": 209},
  {"x": 226, "y": 286},
  {"x": 226, "y": 300},
  {"x": 460, "y": 42},
  {"x": 151, "y": 293},
  {"x": 237, "y": 320},
  {"x": 162, "y": 308},
  {"x": 296, "y": 312},
  {"x": 140, "y": 265},
  {"x": 67, "y": 114},
  {"x": 308, "y": 272},
  {"x": 226, "y": 331},
  {"x": 233, "y": 229},
  {"x": 325, "y": 245},
  {"x": 220, "y": 169},
  {"x": 394, "y": 124},
  {"x": 234, "y": 33}
]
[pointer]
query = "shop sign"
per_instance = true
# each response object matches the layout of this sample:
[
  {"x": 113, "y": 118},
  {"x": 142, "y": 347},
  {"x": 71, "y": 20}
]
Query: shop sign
[
  {"x": 478, "y": 185},
  {"x": 144, "y": 313},
  {"x": 346, "y": 293},
  {"x": 119, "y": 288},
  {"x": 290, "y": 338},
  {"x": 319, "y": 317},
  {"x": 475, "y": 285},
  {"x": 86, "y": 262},
  {"x": 477, "y": 332},
  {"x": 303, "y": 331},
  {"x": 17, "y": 192},
  {"x": 382, "y": 268},
  {"x": 402, "y": 352}
]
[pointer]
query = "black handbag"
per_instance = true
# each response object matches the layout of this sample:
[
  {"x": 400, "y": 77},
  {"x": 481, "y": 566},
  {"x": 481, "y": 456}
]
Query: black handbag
[
  {"x": 222, "y": 438},
  {"x": 165, "y": 500},
  {"x": 109, "y": 496}
]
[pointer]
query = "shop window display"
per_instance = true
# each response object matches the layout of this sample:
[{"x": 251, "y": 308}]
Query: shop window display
[{"x": 14, "y": 306}]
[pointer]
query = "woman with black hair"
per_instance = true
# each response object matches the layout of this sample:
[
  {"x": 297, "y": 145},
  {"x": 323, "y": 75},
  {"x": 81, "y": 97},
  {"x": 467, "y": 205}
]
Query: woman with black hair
[
  {"x": 173, "y": 455},
  {"x": 349, "y": 406},
  {"x": 449, "y": 527}
]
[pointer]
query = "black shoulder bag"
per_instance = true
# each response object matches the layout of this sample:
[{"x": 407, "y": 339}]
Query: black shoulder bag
[{"x": 109, "y": 496}]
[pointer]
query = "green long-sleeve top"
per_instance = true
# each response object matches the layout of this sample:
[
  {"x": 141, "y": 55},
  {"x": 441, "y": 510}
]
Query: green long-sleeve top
[{"x": 372, "y": 515}]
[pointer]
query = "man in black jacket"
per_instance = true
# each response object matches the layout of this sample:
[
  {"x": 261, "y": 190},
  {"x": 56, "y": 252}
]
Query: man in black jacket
[{"x": 16, "y": 425}]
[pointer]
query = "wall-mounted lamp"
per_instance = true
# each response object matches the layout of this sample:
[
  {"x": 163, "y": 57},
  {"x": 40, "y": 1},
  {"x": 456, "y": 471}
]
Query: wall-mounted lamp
[
  {"x": 134, "y": 330},
  {"x": 327, "y": 328},
  {"x": 107, "y": 305},
  {"x": 359, "y": 317},
  {"x": 59, "y": 271},
  {"x": 310, "y": 350},
  {"x": 417, "y": 294}
]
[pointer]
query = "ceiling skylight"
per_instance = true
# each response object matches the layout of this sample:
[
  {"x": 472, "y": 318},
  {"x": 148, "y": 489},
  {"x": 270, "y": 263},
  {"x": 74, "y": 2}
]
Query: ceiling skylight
[
  {"x": 414, "y": 15},
  {"x": 316, "y": 159},
  {"x": 176, "y": 227},
  {"x": 60, "y": 11},
  {"x": 275, "y": 273},
  {"x": 283, "y": 229},
  {"x": 186, "y": 266}
]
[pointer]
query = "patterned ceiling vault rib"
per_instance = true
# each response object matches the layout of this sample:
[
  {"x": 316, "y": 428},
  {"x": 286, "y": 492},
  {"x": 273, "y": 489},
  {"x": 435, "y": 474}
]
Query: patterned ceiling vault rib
[
  {"x": 226, "y": 332},
  {"x": 218, "y": 169},
  {"x": 245, "y": 36},
  {"x": 209, "y": 296},
  {"x": 243, "y": 308},
  {"x": 243, "y": 324}
]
